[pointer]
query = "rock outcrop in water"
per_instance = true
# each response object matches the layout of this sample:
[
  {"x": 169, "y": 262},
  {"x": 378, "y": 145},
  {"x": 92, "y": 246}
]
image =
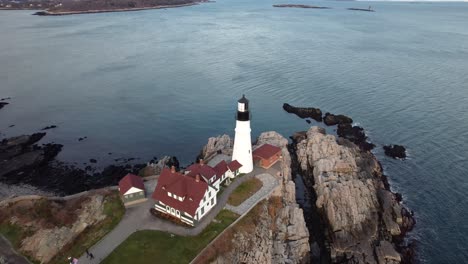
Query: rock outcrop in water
[
  {"x": 331, "y": 119},
  {"x": 362, "y": 216},
  {"x": 395, "y": 151},
  {"x": 2, "y": 104},
  {"x": 280, "y": 234},
  {"x": 345, "y": 128},
  {"x": 304, "y": 112}
]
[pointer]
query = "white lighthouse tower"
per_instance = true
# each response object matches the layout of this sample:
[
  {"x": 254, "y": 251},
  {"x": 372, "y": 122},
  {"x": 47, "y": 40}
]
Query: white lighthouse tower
[{"x": 242, "y": 151}]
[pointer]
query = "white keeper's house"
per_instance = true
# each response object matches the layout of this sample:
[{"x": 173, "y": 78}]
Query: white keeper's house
[{"x": 192, "y": 195}]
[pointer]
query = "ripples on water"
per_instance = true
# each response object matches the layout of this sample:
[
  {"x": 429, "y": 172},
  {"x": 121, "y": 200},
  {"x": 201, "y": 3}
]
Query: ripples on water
[{"x": 158, "y": 82}]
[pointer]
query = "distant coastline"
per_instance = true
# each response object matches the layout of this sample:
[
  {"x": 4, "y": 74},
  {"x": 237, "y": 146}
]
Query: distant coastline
[
  {"x": 65, "y": 13},
  {"x": 57, "y": 8}
]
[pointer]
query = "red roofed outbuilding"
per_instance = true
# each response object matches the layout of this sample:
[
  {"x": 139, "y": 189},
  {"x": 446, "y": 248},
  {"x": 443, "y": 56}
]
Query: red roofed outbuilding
[
  {"x": 266, "y": 155},
  {"x": 132, "y": 189}
]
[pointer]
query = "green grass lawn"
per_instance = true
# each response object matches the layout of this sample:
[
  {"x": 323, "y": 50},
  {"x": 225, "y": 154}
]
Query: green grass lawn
[
  {"x": 151, "y": 246},
  {"x": 244, "y": 191}
]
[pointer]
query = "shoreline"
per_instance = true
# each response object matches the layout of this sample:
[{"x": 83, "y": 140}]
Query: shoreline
[{"x": 65, "y": 13}]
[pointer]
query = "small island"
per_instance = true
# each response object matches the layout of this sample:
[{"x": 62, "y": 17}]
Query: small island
[
  {"x": 301, "y": 6},
  {"x": 362, "y": 9}
]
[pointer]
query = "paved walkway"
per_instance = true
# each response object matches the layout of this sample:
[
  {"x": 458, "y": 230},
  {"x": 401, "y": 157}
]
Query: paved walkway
[
  {"x": 269, "y": 183},
  {"x": 138, "y": 217}
]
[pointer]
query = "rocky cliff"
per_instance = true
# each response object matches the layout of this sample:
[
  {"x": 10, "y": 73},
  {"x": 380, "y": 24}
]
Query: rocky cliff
[
  {"x": 278, "y": 233},
  {"x": 362, "y": 217}
]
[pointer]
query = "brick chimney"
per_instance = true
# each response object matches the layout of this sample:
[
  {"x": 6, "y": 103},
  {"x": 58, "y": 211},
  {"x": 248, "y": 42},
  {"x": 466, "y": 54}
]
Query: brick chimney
[
  {"x": 173, "y": 169},
  {"x": 201, "y": 162},
  {"x": 197, "y": 178}
]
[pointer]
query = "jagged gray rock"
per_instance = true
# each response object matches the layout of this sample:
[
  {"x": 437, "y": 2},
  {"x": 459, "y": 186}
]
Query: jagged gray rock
[
  {"x": 217, "y": 144},
  {"x": 351, "y": 196}
]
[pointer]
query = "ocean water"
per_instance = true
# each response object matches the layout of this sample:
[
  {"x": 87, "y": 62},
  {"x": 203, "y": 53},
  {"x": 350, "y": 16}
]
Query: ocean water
[{"x": 160, "y": 82}]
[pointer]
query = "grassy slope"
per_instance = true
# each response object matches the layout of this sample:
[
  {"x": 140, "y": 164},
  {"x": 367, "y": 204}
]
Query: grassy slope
[
  {"x": 114, "y": 210},
  {"x": 244, "y": 191},
  {"x": 160, "y": 247}
]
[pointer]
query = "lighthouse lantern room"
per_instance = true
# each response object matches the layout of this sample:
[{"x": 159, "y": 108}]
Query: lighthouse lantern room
[{"x": 242, "y": 151}]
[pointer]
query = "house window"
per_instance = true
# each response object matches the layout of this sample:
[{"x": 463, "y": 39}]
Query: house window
[
  {"x": 212, "y": 201},
  {"x": 130, "y": 195},
  {"x": 168, "y": 209},
  {"x": 178, "y": 213},
  {"x": 173, "y": 211},
  {"x": 202, "y": 210}
]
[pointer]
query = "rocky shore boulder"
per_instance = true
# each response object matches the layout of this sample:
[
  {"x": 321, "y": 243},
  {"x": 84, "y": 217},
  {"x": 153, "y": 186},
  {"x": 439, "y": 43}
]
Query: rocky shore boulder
[
  {"x": 18, "y": 154},
  {"x": 331, "y": 119},
  {"x": 304, "y": 112},
  {"x": 362, "y": 216},
  {"x": 395, "y": 151},
  {"x": 217, "y": 145},
  {"x": 356, "y": 135}
]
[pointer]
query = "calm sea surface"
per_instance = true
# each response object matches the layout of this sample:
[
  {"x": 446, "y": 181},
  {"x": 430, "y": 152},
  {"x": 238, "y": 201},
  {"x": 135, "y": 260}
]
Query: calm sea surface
[{"x": 160, "y": 82}]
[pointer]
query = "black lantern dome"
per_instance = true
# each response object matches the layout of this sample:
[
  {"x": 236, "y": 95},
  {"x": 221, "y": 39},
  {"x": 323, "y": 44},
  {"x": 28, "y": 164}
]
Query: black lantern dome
[{"x": 243, "y": 109}]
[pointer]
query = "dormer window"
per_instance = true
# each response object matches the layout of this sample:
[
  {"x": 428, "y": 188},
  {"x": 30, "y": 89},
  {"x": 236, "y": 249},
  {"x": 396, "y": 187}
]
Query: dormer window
[{"x": 169, "y": 194}]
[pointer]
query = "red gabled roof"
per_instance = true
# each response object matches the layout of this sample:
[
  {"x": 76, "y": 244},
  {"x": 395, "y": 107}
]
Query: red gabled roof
[
  {"x": 234, "y": 165},
  {"x": 220, "y": 168},
  {"x": 182, "y": 186},
  {"x": 204, "y": 170},
  {"x": 266, "y": 151},
  {"x": 129, "y": 181}
]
